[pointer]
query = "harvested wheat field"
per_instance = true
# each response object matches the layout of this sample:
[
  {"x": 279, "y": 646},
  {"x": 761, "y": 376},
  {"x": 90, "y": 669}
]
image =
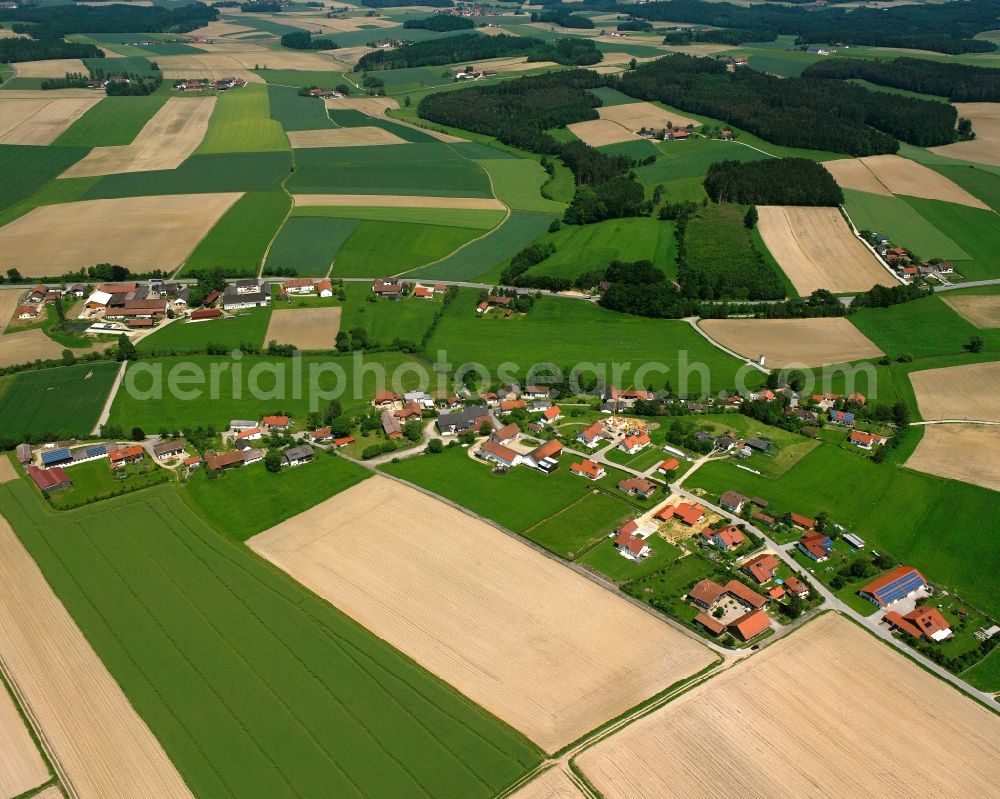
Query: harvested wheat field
[
  {"x": 966, "y": 452},
  {"x": 306, "y": 328},
  {"x": 792, "y": 342},
  {"x": 100, "y": 745},
  {"x": 828, "y": 711},
  {"x": 174, "y": 132},
  {"x": 643, "y": 115},
  {"x": 52, "y": 792},
  {"x": 985, "y": 148},
  {"x": 398, "y": 201},
  {"x": 40, "y": 120},
  {"x": 851, "y": 173},
  {"x": 485, "y": 613},
  {"x": 141, "y": 233},
  {"x": 206, "y": 65},
  {"x": 21, "y": 767},
  {"x": 27, "y": 346},
  {"x": 552, "y": 784},
  {"x": 903, "y": 176},
  {"x": 9, "y": 300},
  {"x": 55, "y": 68},
  {"x": 817, "y": 250},
  {"x": 598, "y": 132},
  {"x": 372, "y": 106},
  {"x": 363, "y": 136},
  {"x": 982, "y": 310},
  {"x": 959, "y": 392},
  {"x": 7, "y": 471},
  {"x": 215, "y": 30}
]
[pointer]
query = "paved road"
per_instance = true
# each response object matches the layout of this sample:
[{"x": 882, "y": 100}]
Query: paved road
[{"x": 968, "y": 285}]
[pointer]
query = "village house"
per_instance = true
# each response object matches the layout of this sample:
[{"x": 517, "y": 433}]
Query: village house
[
  {"x": 552, "y": 414},
  {"x": 589, "y": 469},
  {"x": 343, "y": 441},
  {"x": 726, "y": 538},
  {"x": 169, "y": 449},
  {"x": 299, "y": 285},
  {"x": 244, "y": 437},
  {"x": 512, "y": 405},
  {"x": 866, "y": 441},
  {"x": 252, "y": 456},
  {"x": 295, "y": 456},
  {"x": 669, "y": 466},
  {"x": 38, "y": 294},
  {"x": 634, "y": 443},
  {"x": 689, "y": 514},
  {"x": 901, "y": 582},
  {"x": 410, "y": 410},
  {"x": 388, "y": 287},
  {"x": 629, "y": 544},
  {"x": 732, "y": 501},
  {"x": 385, "y": 399},
  {"x": 322, "y": 434},
  {"x": 793, "y": 585},
  {"x": 28, "y": 312},
  {"x": 423, "y": 293},
  {"x": 591, "y": 436},
  {"x": 815, "y": 546},
  {"x": 324, "y": 288},
  {"x": 537, "y": 406},
  {"x": 506, "y": 434},
  {"x": 126, "y": 455},
  {"x": 637, "y": 487},
  {"x": 245, "y": 294},
  {"x": 391, "y": 426},
  {"x": 277, "y": 422},
  {"x": 499, "y": 454},
  {"x": 627, "y": 398},
  {"x": 217, "y": 461},
  {"x": 761, "y": 567},
  {"x": 544, "y": 457},
  {"x": 470, "y": 418},
  {"x": 922, "y": 622},
  {"x": 192, "y": 463},
  {"x": 751, "y": 625},
  {"x": 802, "y": 522},
  {"x": 536, "y": 392},
  {"x": 842, "y": 418}
]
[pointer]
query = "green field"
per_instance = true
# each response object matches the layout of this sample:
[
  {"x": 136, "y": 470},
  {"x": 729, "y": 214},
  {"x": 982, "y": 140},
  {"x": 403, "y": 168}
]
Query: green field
[
  {"x": 65, "y": 400},
  {"x": 26, "y": 169},
  {"x": 385, "y": 320},
  {"x": 297, "y": 113},
  {"x": 975, "y": 230},
  {"x": 241, "y": 123},
  {"x": 474, "y": 218},
  {"x": 241, "y": 502},
  {"x": 583, "y": 524},
  {"x": 253, "y": 685},
  {"x": 349, "y": 118},
  {"x": 232, "y": 332},
  {"x": 237, "y": 242},
  {"x": 637, "y": 149},
  {"x": 903, "y": 224},
  {"x": 299, "y": 78},
  {"x": 96, "y": 480},
  {"x": 682, "y": 165},
  {"x": 308, "y": 244},
  {"x": 387, "y": 248},
  {"x": 606, "y": 559},
  {"x": 939, "y": 526},
  {"x": 113, "y": 121},
  {"x": 985, "y": 675},
  {"x": 978, "y": 182},
  {"x": 518, "y": 182},
  {"x": 569, "y": 332},
  {"x": 134, "y": 64},
  {"x": 611, "y": 96}
]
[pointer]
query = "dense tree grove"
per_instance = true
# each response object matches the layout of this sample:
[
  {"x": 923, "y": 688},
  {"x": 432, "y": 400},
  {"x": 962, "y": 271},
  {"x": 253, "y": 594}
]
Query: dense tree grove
[
  {"x": 796, "y": 112},
  {"x": 946, "y": 27},
  {"x": 732, "y": 36},
  {"x": 441, "y": 23},
  {"x": 303, "y": 40},
  {"x": 18, "y": 49},
  {"x": 471, "y": 47},
  {"x": 399, "y": 3},
  {"x": 886, "y": 296},
  {"x": 958, "y": 82},
  {"x": 54, "y": 22},
  {"x": 563, "y": 18},
  {"x": 776, "y": 181}
]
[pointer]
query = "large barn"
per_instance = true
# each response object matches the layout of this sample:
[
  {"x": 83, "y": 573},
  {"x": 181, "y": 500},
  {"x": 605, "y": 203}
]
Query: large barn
[{"x": 897, "y": 584}]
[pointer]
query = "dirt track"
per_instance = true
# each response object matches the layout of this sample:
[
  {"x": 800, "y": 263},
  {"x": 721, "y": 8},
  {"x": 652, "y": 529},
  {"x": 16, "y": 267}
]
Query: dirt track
[
  {"x": 397, "y": 201},
  {"x": 104, "y": 748},
  {"x": 903, "y": 176},
  {"x": 966, "y": 452},
  {"x": 306, "y": 328},
  {"x": 830, "y": 711},
  {"x": 174, "y": 132},
  {"x": 985, "y": 148},
  {"x": 817, "y": 250},
  {"x": 959, "y": 392},
  {"x": 982, "y": 310},
  {"x": 792, "y": 342},
  {"x": 141, "y": 233},
  {"x": 40, "y": 121},
  {"x": 363, "y": 136},
  {"x": 482, "y": 611}
]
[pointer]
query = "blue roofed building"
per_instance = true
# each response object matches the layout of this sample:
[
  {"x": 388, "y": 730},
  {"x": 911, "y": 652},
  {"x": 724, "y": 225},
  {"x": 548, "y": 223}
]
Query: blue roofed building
[
  {"x": 56, "y": 457},
  {"x": 893, "y": 586},
  {"x": 843, "y": 418}
]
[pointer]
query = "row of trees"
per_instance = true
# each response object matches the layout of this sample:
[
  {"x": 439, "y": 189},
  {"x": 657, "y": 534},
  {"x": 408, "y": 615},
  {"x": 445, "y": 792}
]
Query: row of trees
[
  {"x": 960, "y": 83},
  {"x": 400, "y": 3},
  {"x": 774, "y": 181},
  {"x": 733, "y": 36}
]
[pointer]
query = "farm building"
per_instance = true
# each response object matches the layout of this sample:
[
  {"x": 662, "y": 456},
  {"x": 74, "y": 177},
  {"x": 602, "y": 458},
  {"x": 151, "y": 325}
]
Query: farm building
[
  {"x": 24, "y": 453},
  {"x": 279, "y": 422},
  {"x": 205, "y": 313},
  {"x": 706, "y": 593},
  {"x": 802, "y": 522},
  {"x": 687, "y": 513},
  {"x": 218, "y": 461},
  {"x": 588, "y": 468},
  {"x": 923, "y": 622},
  {"x": 506, "y": 434},
  {"x": 63, "y": 456},
  {"x": 899, "y": 583},
  {"x": 747, "y": 596},
  {"x": 388, "y": 288},
  {"x": 761, "y": 567},
  {"x": 125, "y": 455},
  {"x": 299, "y": 285},
  {"x": 855, "y": 541},
  {"x": 252, "y": 456},
  {"x": 423, "y": 293},
  {"x": 498, "y": 453},
  {"x": 544, "y": 457},
  {"x": 238, "y": 425},
  {"x": 49, "y": 479},
  {"x": 391, "y": 426},
  {"x": 169, "y": 449},
  {"x": 751, "y": 625},
  {"x": 471, "y": 418},
  {"x": 295, "y": 456},
  {"x": 246, "y": 294},
  {"x": 668, "y": 466},
  {"x": 324, "y": 288}
]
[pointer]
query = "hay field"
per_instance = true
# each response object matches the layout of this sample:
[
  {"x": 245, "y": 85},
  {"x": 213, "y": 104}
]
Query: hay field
[
  {"x": 306, "y": 328},
  {"x": 552, "y": 784},
  {"x": 985, "y": 148},
  {"x": 488, "y": 615},
  {"x": 817, "y": 250},
  {"x": 215, "y": 30},
  {"x": 518, "y": 64},
  {"x": 208, "y": 65},
  {"x": 598, "y": 132},
  {"x": 174, "y": 132},
  {"x": 55, "y": 68},
  {"x": 362, "y": 136},
  {"x": 40, "y": 120},
  {"x": 959, "y": 392},
  {"x": 982, "y": 310},
  {"x": 966, "y": 452},
  {"x": 372, "y": 106},
  {"x": 27, "y": 346},
  {"x": 637, "y": 115},
  {"x": 903, "y": 176},
  {"x": 793, "y": 342},
  {"x": 102, "y": 747},
  {"x": 9, "y": 300},
  {"x": 52, "y": 792},
  {"x": 851, "y": 173},
  {"x": 7, "y": 471},
  {"x": 828, "y": 711},
  {"x": 141, "y": 233},
  {"x": 396, "y": 201},
  {"x": 21, "y": 767}
]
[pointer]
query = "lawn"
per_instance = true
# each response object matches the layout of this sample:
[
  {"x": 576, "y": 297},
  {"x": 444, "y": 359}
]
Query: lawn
[
  {"x": 666, "y": 586},
  {"x": 385, "y": 320},
  {"x": 60, "y": 402},
  {"x": 308, "y": 244},
  {"x": 490, "y": 252},
  {"x": 646, "y": 459},
  {"x": 985, "y": 675},
  {"x": 241, "y": 502},
  {"x": 113, "y": 121},
  {"x": 475, "y": 218},
  {"x": 253, "y": 685},
  {"x": 606, "y": 559},
  {"x": 96, "y": 480},
  {"x": 376, "y": 249},
  {"x": 910, "y": 516},
  {"x": 231, "y": 332},
  {"x": 238, "y": 241},
  {"x": 574, "y": 530},
  {"x": 241, "y": 123},
  {"x": 295, "y": 112},
  {"x": 637, "y": 149},
  {"x": 26, "y": 169},
  {"x": 903, "y": 224},
  {"x": 975, "y": 230},
  {"x": 518, "y": 183},
  {"x": 299, "y": 78},
  {"x": 570, "y": 332}
]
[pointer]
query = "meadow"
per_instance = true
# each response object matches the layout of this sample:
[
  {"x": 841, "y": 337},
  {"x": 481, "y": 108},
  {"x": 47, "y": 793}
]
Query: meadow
[
  {"x": 241, "y": 123},
  {"x": 386, "y": 248},
  {"x": 518, "y": 182},
  {"x": 297, "y": 700},
  {"x": 908, "y": 515},
  {"x": 240, "y": 502},
  {"x": 308, "y": 244},
  {"x": 975, "y": 230},
  {"x": 978, "y": 182},
  {"x": 384, "y": 321},
  {"x": 903, "y": 224},
  {"x": 297, "y": 113},
  {"x": 97, "y": 480},
  {"x": 26, "y": 169},
  {"x": 681, "y": 166},
  {"x": 352, "y": 118},
  {"x": 238, "y": 240},
  {"x": 113, "y": 121},
  {"x": 232, "y": 332},
  {"x": 985, "y": 675},
  {"x": 63, "y": 400},
  {"x": 577, "y": 528}
]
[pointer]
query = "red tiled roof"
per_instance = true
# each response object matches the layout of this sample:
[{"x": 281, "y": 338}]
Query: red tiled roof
[
  {"x": 125, "y": 453},
  {"x": 550, "y": 449},
  {"x": 748, "y": 595},
  {"x": 636, "y": 441},
  {"x": 879, "y": 583},
  {"x": 298, "y": 283},
  {"x": 637, "y": 484},
  {"x": 248, "y": 433},
  {"x": 276, "y": 421},
  {"x": 669, "y": 465},
  {"x": 385, "y": 396},
  {"x": 761, "y": 567},
  {"x": 751, "y": 625},
  {"x": 928, "y": 620},
  {"x": 219, "y": 460},
  {"x": 803, "y": 521},
  {"x": 551, "y": 413},
  {"x": 706, "y": 592},
  {"x": 587, "y": 467},
  {"x": 509, "y": 405},
  {"x": 714, "y": 626},
  {"x": 324, "y": 285},
  {"x": 861, "y": 437},
  {"x": 192, "y": 460},
  {"x": 507, "y": 432},
  {"x": 500, "y": 451},
  {"x": 902, "y": 623},
  {"x": 343, "y": 441},
  {"x": 423, "y": 291},
  {"x": 775, "y": 592},
  {"x": 731, "y": 536},
  {"x": 592, "y": 432},
  {"x": 206, "y": 313},
  {"x": 48, "y": 478},
  {"x": 630, "y": 542},
  {"x": 686, "y": 512}
]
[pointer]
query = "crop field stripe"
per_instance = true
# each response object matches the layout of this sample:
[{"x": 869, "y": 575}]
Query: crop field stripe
[
  {"x": 477, "y": 219},
  {"x": 902, "y": 223},
  {"x": 518, "y": 183},
  {"x": 295, "y": 112},
  {"x": 309, "y": 244},
  {"x": 26, "y": 169},
  {"x": 113, "y": 121},
  {"x": 375, "y": 248},
  {"x": 241, "y": 123}
]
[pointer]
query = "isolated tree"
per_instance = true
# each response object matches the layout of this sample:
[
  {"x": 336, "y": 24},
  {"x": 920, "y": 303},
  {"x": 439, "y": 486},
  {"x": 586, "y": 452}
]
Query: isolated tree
[
  {"x": 880, "y": 455},
  {"x": 125, "y": 350},
  {"x": 976, "y": 344},
  {"x": 68, "y": 357},
  {"x": 333, "y": 410},
  {"x": 485, "y": 429},
  {"x": 435, "y": 445},
  {"x": 272, "y": 461},
  {"x": 750, "y": 218},
  {"x": 14, "y": 276},
  {"x": 138, "y": 434}
]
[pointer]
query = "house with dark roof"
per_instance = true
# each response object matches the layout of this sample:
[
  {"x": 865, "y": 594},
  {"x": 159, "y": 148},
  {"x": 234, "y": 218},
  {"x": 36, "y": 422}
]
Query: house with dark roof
[
  {"x": 246, "y": 294},
  {"x": 637, "y": 487},
  {"x": 815, "y": 546},
  {"x": 391, "y": 426},
  {"x": 732, "y": 501},
  {"x": 469, "y": 418},
  {"x": 169, "y": 449},
  {"x": 897, "y": 584},
  {"x": 295, "y": 456},
  {"x": 24, "y": 453}
]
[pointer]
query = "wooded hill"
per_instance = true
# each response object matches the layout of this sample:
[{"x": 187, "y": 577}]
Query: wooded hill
[
  {"x": 777, "y": 181},
  {"x": 472, "y": 47},
  {"x": 960, "y": 83}
]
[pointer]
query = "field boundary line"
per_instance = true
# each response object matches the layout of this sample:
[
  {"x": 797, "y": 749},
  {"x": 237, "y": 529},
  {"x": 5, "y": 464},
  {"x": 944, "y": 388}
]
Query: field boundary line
[
  {"x": 277, "y": 231},
  {"x": 859, "y": 237},
  {"x": 105, "y": 414}
]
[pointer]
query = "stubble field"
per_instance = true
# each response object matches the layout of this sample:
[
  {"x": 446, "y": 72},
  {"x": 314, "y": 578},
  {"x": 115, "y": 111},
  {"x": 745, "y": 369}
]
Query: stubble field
[
  {"x": 21, "y": 767},
  {"x": 40, "y": 121},
  {"x": 985, "y": 148},
  {"x": 483, "y": 612},
  {"x": 306, "y": 328},
  {"x": 959, "y": 392},
  {"x": 552, "y": 784},
  {"x": 793, "y": 342},
  {"x": 9, "y": 300},
  {"x": 397, "y": 201},
  {"x": 851, "y": 173},
  {"x": 140, "y": 233},
  {"x": 27, "y": 346},
  {"x": 816, "y": 249},
  {"x": 966, "y": 452},
  {"x": 633, "y": 116},
  {"x": 53, "y": 68},
  {"x": 982, "y": 310},
  {"x": 831, "y": 711},
  {"x": 364, "y": 136},
  {"x": 903, "y": 176},
  {"x": 600, "y": 132}
]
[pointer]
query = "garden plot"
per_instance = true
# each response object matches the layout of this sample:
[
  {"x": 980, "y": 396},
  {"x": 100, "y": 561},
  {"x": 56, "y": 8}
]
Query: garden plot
[
  {"x": 959, "y": 392},
  {"x": 817, "y": 250},
  {"x": 396, "y": 201},
  {"x": 851, "y": 173},
  {"x": 985, "y": 148},
  {"x": 792, "y": 342},
  {"x": 306, "y": 328},
  {"x": 55, "y": 68},
  {"x": 982, "y": 310},
  {"x": 966, "y": 452},
  {"x": 881, "y": 723},
  {"x": 40, "y": 120},
  {"x": 633, "y": 116},
  {"x": 140, "y": 233},
  {"x": 174, "y": 132},
  {"x": 21, "y": 767},
  {"x": 485, "y": 613},
  {"x": 903, "y": 176},
  {"x": 362, "y": 136}
]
